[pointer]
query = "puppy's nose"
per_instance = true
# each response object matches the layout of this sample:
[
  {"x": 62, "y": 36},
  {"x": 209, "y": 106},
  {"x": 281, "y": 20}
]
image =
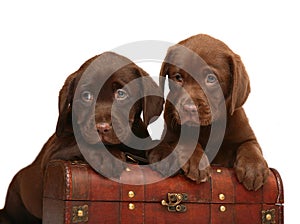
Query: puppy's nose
[
  {"x": 103, "y": 128},
  {"x": 190, "y": 108}
]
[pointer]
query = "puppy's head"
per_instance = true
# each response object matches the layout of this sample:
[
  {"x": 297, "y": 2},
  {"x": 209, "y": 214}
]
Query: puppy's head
[
  {"x": 101, "y": 99},
  {"x": 203, "y": 74}
]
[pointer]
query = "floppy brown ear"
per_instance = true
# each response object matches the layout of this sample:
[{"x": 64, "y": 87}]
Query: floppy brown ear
[
  {"x": 153, "y": 100},
  {"x": 66, "y": 94},
  {"x": 162, "y": 75},
  {"x": 64, "y": 125},
  {"x": 240, "y": 83}
]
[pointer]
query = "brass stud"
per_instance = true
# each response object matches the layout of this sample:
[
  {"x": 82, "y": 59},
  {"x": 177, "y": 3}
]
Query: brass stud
[
  {"x": 164, "y": 203},
  {"x": 131, "y": 206},
  {"x": 268, "y": 217},
  {"x": 222, "y": 197},
  {"x": 219, "y": 170},
  {"x": 179, "y": 196},
  {"x": 79, "y": 213},
  {"x": 131, "y": 194},
  {"x": 222, "y": 208}
]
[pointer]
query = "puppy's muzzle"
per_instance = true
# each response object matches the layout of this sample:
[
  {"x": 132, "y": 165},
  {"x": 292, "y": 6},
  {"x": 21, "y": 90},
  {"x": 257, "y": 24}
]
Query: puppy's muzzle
[
  {"x": 188, "y": 113},
  {"x": 190, "y": 109},
  {"x": 194, "y": 114},
  {"x": 103, "y": 128},
  {"x": 105, "y": 132}
]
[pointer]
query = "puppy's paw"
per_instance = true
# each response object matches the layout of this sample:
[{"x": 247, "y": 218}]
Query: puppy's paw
[
  {"x": 198, "y": 171},
  {"x": 164, "y": 160},
  {"x": 252, "y": 172}
]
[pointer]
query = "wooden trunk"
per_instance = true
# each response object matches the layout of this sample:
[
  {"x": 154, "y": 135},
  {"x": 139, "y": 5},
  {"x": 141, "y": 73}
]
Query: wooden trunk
[{"x": 75, "y": 193}]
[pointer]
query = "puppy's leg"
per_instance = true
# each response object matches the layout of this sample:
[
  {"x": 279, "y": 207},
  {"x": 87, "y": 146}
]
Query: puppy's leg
[
  {"x": 15, "y": 210},
  {"x": 164, "y": 159},
  {"x": 197, "y": 167},
  {"x": 250, "y": 166},
  {"x": 4, "y": 218}
]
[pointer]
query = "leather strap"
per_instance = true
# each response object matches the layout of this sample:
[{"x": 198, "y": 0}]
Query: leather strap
[{"x": 135, "y": 159}]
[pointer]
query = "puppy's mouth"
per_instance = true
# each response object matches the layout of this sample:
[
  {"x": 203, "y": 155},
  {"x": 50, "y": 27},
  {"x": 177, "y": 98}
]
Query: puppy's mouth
[
  {"x": 107, "y": 140},
  {"x": 101, "y": 134},
  {"x": 195, "y": 120},
  {"x": 192, "y": 115},
  {"x": 190, "y": 120},
  {"x": 112, "y": 135}
]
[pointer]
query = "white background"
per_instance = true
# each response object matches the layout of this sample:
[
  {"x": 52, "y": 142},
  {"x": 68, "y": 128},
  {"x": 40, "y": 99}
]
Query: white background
[{"x": 42, "y": 42}]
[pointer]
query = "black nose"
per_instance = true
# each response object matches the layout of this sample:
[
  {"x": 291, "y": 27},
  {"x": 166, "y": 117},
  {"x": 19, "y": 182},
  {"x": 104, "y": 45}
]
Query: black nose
[
  {"x": 103, "y": 128},
  {"x": 190, "y": 108}
]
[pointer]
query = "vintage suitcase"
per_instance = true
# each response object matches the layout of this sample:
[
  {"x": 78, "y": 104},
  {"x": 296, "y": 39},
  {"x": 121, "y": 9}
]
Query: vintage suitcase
[{"x": 74, "y": 193}]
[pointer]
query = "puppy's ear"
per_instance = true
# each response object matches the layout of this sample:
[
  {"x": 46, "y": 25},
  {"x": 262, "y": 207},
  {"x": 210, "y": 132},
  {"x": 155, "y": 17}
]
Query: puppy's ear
[
  {"x": 66, "y": 94},
  {"x": 240, "y": 83},
  {"x": 153, "y": 100},
  {"x": 162, "y": 75},
  {"x": 64, "y": 125}
]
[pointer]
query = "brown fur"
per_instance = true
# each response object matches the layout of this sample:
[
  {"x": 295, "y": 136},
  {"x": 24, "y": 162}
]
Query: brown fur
[
  {"x": 24, "y": 197},
  {"x": 239, "y": 147}
]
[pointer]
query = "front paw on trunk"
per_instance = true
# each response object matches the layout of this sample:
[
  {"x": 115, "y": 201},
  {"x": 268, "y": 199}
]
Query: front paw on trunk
[
  {"x": 197, "y": 169},
  {"x": 163, "y": 159},
  {"x": 251, "y": 172}
]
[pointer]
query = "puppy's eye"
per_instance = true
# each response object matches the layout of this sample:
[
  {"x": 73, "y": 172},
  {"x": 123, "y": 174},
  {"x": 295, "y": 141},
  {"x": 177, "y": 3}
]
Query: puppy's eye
[
  {"x": 121, "y": 94},
  {"x": 211, "y": 79},
  {"x": 178, "y": 77},
  {"x": 87, "y": 96}
]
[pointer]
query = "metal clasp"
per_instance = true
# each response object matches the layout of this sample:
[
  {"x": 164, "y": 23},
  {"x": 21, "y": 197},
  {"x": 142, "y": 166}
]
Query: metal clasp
[
  {"x": 174, "y": 200},
  {"x": 268, "y": 216},
  {"x": 80, "y": 214}
]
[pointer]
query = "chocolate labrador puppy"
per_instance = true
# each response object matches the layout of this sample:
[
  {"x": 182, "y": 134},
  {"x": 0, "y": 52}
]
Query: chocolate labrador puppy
[
  {"x": 208, "y": 87},
  {"x": 88, "y": 116}
]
